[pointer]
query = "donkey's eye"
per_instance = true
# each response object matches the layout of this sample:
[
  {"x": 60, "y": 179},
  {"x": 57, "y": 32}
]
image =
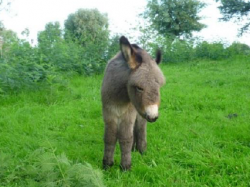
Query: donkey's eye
[{"x": 138, "y": 89}]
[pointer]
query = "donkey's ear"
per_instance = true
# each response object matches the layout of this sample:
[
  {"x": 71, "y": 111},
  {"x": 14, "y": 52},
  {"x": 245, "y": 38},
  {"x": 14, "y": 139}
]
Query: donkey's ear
[
  {"x": 158, "y": 56},
  {"x": 128, "y": 53}
]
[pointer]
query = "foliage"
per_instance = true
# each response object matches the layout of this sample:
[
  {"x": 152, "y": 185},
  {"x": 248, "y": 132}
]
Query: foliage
[
  {"x": 113, "y": 46},
  {"x": 44, "y": 168},
  {"x": 24, "y": 66},
  {"x": 237, "y": 10},
  {"x": 213, "y": 51},
  {"x": 8, "y": 38},
  {"x": 89, "y": 29},
  {"x": 219, "y": 51},
  {"x": 174, "y": 51},
  {"x": 20, "y": 67},
  {"x": 179, "y": 50},
  {"x": 238, "y": 49},
  {"x": 174, "y": 17},
  {"x": 68, "y": 55},
  {"x": 88, "y": 26},
  {"x": 48, "y": 38}
]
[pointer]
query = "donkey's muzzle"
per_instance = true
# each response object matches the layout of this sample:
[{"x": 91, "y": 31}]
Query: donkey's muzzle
[{"x": 151, "y": 113}]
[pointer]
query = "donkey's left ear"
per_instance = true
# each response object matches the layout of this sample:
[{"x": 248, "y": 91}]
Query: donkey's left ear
[
  {"x": 158, "y": 56},
  {"x": 133, "y": 59},
  {"x": 126, "y": 48}
]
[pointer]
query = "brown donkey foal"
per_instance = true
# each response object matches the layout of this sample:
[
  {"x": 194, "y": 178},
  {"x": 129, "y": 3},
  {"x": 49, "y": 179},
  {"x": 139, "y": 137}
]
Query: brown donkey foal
[{"x": 130, "y": 98}]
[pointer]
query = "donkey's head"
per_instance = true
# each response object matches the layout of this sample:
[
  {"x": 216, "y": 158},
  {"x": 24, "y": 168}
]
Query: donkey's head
[{"x": 145, "y": 79}]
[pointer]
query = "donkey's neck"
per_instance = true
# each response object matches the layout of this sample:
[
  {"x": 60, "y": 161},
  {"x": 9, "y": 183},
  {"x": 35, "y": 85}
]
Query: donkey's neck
[{"x": 116, "y": 79}]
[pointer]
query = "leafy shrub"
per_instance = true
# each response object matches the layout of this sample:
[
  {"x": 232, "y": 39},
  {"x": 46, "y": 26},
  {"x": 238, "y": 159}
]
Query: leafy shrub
[
  {"x": 238, "y": 49},
  {"x": 44, "y": 168},
  {"x": 25, "y": 66},
  {"x": 214, "y": 51},
  {"x": 68, "y": 55},
  {"x": 180, "y": 51},
  {"x": 174, "y": 50},
  {"x": 14, "y": 77},
  {"x": 20, "y": 67},
  {"x": 113, "y": 47}
]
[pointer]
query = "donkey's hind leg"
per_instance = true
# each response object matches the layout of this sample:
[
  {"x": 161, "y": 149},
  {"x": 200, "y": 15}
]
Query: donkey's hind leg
[{"x": 140, "y": 134}]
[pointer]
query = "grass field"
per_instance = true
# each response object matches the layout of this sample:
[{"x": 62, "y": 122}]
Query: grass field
[{"x": 202, "y": 137}]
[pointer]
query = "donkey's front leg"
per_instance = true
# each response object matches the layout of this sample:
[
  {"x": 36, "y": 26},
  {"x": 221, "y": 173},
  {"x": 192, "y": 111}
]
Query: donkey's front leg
[
  {"x": 126, "y": 142},
  {"x": 110, "y": 138},
  {"x": 140, "y": 134}
]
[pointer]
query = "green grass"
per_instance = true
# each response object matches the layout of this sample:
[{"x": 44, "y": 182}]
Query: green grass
[{"x": 202, "y": 137}]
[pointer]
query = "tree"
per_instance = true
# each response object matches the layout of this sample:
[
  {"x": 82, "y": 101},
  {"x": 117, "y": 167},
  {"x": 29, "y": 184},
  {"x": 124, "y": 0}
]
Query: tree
[
  {"x": 48, "y": 37},
  {"x": 89, "y": 28},
  {"x": 113, "y": 46},
  {"x": 7, "y": 39},
  {"x": 174, "y": 17},
  {"x": 236, "y": 10},
  {"x": 87, "y": 25}
]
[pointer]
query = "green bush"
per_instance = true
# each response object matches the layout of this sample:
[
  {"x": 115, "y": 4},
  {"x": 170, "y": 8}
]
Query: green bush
[
  {"x": 214, "y": 51},
  {"x": 238, "y": 49},
  {"x": 20, "y": 68},
  {"x": 179, "y": 51},
  {"x": 173, "y": 50},
  {"x": 45, "y": 168},
  {"x": 68, "y": 55},
  {"x": 25, "y": 66},
  {"x": 113, "y": 47}
]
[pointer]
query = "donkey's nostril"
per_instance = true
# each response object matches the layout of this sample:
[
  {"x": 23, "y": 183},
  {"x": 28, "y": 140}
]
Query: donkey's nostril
[
  {"x": 154, "y": 119},
  {"x": 149, "y": 119}
]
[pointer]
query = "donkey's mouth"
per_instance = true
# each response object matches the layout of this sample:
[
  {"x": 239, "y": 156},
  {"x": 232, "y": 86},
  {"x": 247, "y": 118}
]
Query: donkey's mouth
[{"x": 151, "y": 120}]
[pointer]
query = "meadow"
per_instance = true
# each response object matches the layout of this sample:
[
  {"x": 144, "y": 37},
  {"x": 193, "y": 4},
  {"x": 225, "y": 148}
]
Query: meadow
[{"x": 54, "y": 137}]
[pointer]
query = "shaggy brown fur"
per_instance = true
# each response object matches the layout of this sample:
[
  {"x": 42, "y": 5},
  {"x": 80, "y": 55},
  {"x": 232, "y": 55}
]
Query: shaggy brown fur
[{"x": 130, "y": 98}]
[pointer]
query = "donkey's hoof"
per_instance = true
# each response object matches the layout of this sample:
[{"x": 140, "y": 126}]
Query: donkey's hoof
[
  {"x": 142, "y": 150},
  {"x": 142, "y": 147},
  {"x": 107, "y": 165},
  {"x": 125, "y": 167}
]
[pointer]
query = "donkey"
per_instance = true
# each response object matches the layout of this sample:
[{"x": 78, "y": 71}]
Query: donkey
[{"x": 130, "y": 97}]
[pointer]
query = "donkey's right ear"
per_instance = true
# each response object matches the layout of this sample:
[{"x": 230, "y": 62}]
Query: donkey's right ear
[
  {"x": 128, "y": 52},
  {"x": 158, "y": 56}
]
